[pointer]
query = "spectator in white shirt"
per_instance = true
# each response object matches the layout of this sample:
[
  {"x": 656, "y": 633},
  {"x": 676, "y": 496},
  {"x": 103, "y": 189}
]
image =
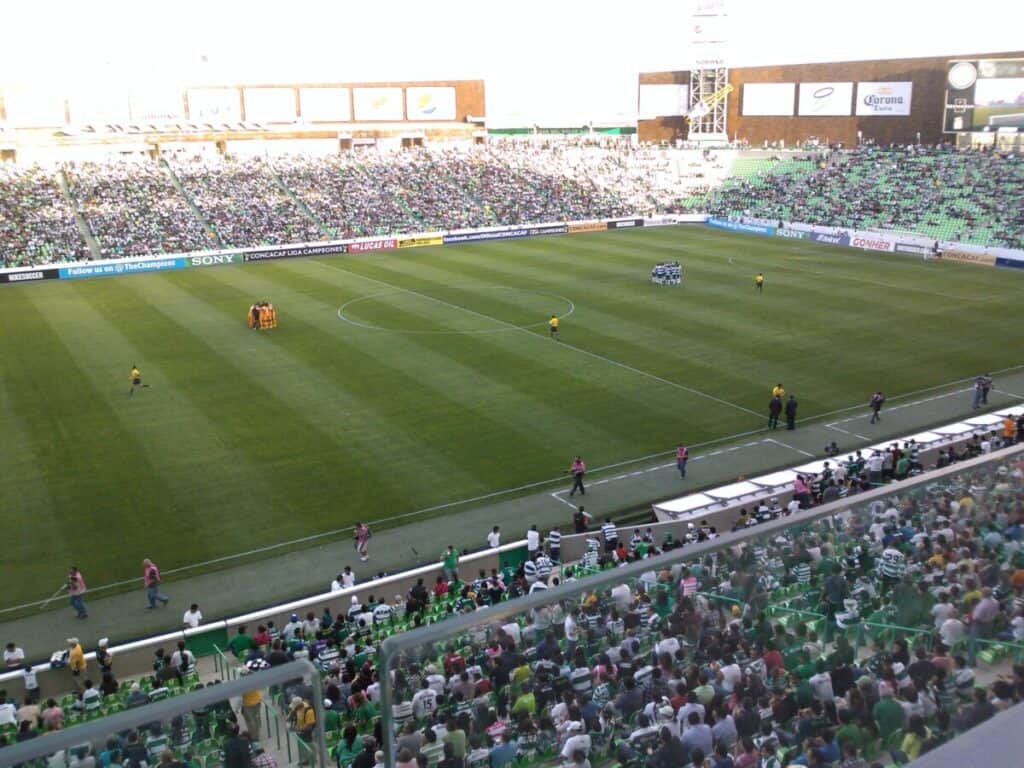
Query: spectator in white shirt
[
  {"x": 532, "y": 540},
  {"x": 13, "y": 656},
  {"x": 494, "y": 538},
  {"x": 193, "y": 616}
]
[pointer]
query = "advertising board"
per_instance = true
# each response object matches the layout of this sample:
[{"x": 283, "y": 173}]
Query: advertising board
[
  {"x": 870, "y": 242},
  {"x": 382, "y": 244},
  {"x": 433, "y": 103},
  {"x": 419, "y": 242},
  {"x": 825, "y": 99},
  {"x": 290, "y": 252},
  {"x": 740, "y": 226},
  {"x": 125, "y": 267},
  {"x": 28, "y": 276},
  {"x": 884, "y": 99},
  {"x": 625, "y": 223},
  {"x": 768, "y": 99},
  {"x": 587, "y": 226},
  {"x": 970, "y": 257}
]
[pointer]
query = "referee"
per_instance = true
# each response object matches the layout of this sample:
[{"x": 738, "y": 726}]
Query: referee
[
  {"x": 553, "y": 325},
  {"x": 136, "y": 377}
]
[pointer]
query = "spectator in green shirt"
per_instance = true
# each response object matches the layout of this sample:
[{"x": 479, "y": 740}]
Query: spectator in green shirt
[
  {"x": 450, "y": 563},
  {"x": 456, "y": 737},
  {"x": 526, "y": 702},
  {"x": 888, "y": 714},
  {"x": 241, "y": 643},
  {"x": 849, "y": 732}
]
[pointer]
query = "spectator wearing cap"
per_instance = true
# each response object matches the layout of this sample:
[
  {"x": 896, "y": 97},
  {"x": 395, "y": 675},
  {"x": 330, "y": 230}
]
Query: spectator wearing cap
[
  {"x": 575, "y": 740},
  {"x": 136, "y": 697},
  {"x": 76, "y": 663}
]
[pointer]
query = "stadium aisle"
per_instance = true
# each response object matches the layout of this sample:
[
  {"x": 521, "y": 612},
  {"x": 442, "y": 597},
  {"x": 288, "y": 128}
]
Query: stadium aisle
[{"x": 252, "y": 585}]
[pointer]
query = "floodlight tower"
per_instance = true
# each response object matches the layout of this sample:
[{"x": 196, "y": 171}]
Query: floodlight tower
[{"x": 709, "y": 75}]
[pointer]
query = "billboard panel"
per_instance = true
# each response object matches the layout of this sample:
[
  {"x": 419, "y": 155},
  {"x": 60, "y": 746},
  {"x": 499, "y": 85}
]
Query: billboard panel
[
  {"x": 430, "y": 103},
  {"x": 665, "y": 100},
  {"x": 99, "y": 107},
  {"x": 768, "y": 99},
  {"x": 156, "y": 104},
  {"x": 378, "y": 103},
  {"x": 884, "y": 99},
  {"x": 270, "y": 105},
  {"x": 33, "y": 108},
  {"x": 214, "y": 104},
  {"x": 325, "y": 104},
  {"x": 984, "y": 95},
  {"x": 825, "y": 99}
]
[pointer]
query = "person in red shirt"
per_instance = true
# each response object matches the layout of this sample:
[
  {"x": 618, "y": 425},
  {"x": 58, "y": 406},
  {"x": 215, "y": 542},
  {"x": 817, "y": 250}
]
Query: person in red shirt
[
  {"x": 682, "y": 456},
  {"x": 771, "y": 657},
  {"x": 577, "y": 470}
]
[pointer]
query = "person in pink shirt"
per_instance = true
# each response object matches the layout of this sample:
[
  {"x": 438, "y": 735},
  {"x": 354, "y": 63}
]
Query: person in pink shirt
[
  {"x": 801, "y": 492},
  {"x": 151, "y": 578},
  {"x": 577, "y": 470},
  {"x": 682, "y": 456},
  {"x": 77, "y": 590}
]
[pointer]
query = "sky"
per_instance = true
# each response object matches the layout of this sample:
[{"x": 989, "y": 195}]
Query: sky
[{"x": 539, "y": 58}]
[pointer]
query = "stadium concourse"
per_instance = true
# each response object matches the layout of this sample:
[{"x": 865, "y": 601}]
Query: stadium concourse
[
  {"x": 133, "y": 208},
  {"x": 263, "y": 578}
]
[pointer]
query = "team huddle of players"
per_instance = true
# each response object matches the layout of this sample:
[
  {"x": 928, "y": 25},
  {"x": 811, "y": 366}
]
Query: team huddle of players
[{"x": 667, "y": 273}]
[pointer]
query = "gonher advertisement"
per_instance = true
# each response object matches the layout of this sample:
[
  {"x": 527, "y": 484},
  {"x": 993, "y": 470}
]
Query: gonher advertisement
[
  {"x": 430, "y": 103},
  {"x": 884, "y": 99},
  {"x": 768, "y": 99},
  {"x": 825, "y": 99},
  {"x": 378, "y": 103}
]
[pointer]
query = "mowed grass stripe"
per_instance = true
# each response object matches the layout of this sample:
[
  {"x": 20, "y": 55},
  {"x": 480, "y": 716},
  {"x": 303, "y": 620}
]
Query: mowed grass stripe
[
  {"x": 187, "y": 473},
  {"x": 218, "y": 459},
  {"x": 25, "y": 491},
  {"x": 323, "y": 427},
  {"x": 644, "y": 339},
  {"x": 495, "y": 379},
  {"x": 429, "y": 401},
  {"x": 586, "y": 365},
  {"x": 100, "y": 478}
]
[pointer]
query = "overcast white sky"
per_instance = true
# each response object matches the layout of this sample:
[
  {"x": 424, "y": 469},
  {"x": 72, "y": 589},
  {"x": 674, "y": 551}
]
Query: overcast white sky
[{"x": 538, "y": 57}]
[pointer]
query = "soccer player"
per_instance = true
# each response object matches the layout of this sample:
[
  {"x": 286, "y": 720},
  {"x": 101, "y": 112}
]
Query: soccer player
[
  {"x": 553, "y": 325},
  {"x": 759, "y": 282},
  {"x": 136, "y": 377}
]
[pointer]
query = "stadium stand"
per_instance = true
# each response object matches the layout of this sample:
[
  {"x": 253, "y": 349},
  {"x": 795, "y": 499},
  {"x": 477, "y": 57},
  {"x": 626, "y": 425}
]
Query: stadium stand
[
  {"x": 939, "y": 192},
  {"x": 37, "y": 223},
  {"x": 135, "y": 208},
  {"x": 883, "y": 629}
]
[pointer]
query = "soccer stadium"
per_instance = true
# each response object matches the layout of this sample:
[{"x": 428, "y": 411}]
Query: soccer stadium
[{"x": 377, "y": 395}]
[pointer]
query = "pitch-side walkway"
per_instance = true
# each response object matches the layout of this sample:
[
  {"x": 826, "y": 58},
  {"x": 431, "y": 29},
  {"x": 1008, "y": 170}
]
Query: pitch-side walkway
[{"x": 278, "y": 578}]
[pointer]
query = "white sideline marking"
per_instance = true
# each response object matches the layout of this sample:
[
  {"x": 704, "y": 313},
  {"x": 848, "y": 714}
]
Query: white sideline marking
[
  {"x": 854, "y": 434},
  {"x": 565, "y": 344},
  {"x": 1009, "y": 394},
  {"x": 787, "y": 445},
  {"x": 902, "y": 405},
  {"x": 558, "y": 494}
]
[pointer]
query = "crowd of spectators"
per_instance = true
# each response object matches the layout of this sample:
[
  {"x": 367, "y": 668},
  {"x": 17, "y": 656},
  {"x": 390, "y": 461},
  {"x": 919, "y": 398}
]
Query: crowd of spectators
[
  {"x": 245, "y": 203},
  {"x": 939, "y": 191},
  {"x": 37, "y": 223},
  {"x": 836, "y": 640},
  {"x": 134, "y": 209}
]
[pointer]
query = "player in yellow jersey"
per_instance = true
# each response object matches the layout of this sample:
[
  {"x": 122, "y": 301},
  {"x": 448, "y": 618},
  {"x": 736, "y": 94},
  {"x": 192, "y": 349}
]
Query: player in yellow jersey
[
  {"x": 759, "y": 282},
  {"x": 136, "y": 377},
  {"x": 553, "y": 324}
]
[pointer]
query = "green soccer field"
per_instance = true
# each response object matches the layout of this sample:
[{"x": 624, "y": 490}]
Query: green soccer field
[{"x": 403, "y": 380}]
